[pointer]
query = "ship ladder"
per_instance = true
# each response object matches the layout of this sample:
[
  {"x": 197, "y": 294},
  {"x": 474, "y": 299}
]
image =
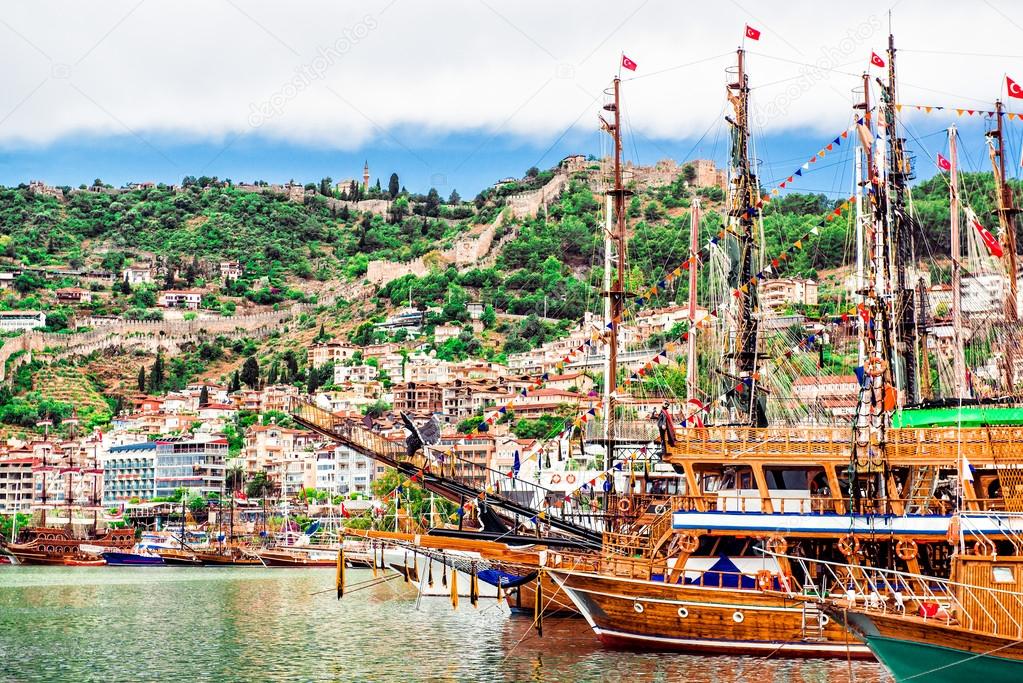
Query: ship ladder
[
  {"x": 923, "y": 483},
  {"x": 813, "y": 622}
]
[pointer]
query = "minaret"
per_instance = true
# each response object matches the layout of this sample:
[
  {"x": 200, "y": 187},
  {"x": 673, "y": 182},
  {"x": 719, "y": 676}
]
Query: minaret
[{"x": 365, "y": 177}]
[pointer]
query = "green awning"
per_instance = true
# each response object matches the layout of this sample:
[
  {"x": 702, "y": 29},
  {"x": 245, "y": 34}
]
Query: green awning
[{"x": 967, "y": 416}]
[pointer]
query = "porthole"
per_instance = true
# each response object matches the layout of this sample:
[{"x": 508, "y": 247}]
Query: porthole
[
  {"x": 738, "y": 617},
  {"x": 638, "y": 607},
  {"x": 683, "y": 612},
  {"x": 825, "y": 620}
]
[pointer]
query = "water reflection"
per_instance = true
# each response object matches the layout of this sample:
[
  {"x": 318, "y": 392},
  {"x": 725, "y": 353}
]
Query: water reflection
[{"x": 215, "y": 624}]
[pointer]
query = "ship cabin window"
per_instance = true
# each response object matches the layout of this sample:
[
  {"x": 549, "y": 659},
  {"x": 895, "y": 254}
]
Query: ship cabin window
[{"x": 1002, "y": 575}]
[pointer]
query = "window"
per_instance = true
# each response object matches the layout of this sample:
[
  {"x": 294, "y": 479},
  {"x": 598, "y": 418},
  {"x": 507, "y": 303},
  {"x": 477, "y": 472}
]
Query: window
[{"x": 1002, "y": 575}]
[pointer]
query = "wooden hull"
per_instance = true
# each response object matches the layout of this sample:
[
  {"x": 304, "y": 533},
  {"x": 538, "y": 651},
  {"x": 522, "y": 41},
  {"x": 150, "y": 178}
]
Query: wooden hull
[
  {"x": 278, "y": 558},
  {"x": 55, "y": 546},
  {"x": 932, "y": 651},
  {"x": 650, "y": 615},
  {"x": 181, "y": 558},
  {"x": 227, "y": 560}
]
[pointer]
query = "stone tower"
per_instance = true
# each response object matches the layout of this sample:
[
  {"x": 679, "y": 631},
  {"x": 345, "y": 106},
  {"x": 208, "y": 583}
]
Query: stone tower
[{"x": 365, "y": 177}]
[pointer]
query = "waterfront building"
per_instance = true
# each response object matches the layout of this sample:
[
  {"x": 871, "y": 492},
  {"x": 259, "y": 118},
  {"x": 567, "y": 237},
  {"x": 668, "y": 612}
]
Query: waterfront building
[
  {"x": 16, "y": 483},
  {"x": 129, "y": 471},
  {"x": 195, "y": 465}
]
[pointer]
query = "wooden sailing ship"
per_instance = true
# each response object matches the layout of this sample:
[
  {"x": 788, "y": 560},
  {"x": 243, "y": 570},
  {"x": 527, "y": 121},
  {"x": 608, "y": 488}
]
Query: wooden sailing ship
[
  {"x": 865, "y": 492},
  {"x": 80, "y": 477}
]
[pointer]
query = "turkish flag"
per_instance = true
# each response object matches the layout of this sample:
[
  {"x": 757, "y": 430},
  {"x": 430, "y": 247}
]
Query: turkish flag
[
  {"x": 628, "y": 63},
  {"x": 944, "y": 163},
  {"x": 1014, "y": 88},
  {"x": 990, "y": 241},
  {"x": 875, "y": 60},
  {"x": 752, "y": 33}
]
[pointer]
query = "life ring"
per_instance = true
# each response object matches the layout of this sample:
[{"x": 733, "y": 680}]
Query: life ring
[
  {"x": 875, "y": 366},
  {"x": 984, "y": 548},
  {"x": 570, "y": 478},
  {"x": 906, "y": 550},
  {"x": 555, "y": 478},
  {"x": 777, "y": 544},
  {"x": 688, "y": 543},
  {"x": 848, "y": 545},
  {"x": 660, "y": 509},
  {"x": 765, "y": 581},
  {"x": 624, "y": 505}
]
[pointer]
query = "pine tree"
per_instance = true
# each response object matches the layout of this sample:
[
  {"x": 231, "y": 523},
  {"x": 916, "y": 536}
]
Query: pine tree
[
  {"x": 393, "y": 187},
  {"x": 291, "y": 363},
  {"x": 236, "y": 383},
  {"x": 142, "y": 378},
  {"x": 455, "y": 198},
  {"x": 313, "y": 382},
  {"x": 250, "y": 373},
  {"x": 272, "y": 376},
  {"x": 156, "y": 375},
  {"x": 204, "y": 396}
]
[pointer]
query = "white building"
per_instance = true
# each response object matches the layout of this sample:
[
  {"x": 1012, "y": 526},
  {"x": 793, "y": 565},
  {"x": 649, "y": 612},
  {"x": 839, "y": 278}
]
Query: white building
[
  {"x": 181, "y": 298},
  {"x": 354, "y": 374},
  {"x": 137, "y": 275},
  {"x": 21, "y": 320}
]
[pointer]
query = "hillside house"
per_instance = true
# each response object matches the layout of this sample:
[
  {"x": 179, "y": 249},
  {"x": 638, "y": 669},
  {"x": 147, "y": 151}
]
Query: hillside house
[
  {"x": 181, "y": 298},
  {"x": 74, "y": 295}
]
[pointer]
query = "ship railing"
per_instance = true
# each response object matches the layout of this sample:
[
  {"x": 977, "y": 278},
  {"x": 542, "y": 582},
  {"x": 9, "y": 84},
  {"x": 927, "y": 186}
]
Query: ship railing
[
  {"x": 816, "y": 504},
  {"x": 980, "y": 445},
  {"x": 978, "y": 608}
]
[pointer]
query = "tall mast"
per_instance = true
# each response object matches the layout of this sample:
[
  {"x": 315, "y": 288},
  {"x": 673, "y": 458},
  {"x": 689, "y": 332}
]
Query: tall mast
[
  {"x": 1006, "y": 222},
  {"x": 616, "y": 291},
  {"x": 899, "y": 173},
  {"x": 742, "y": 210},
  {"x": 958, "y": 356},
  {"x": 694, "y": 247},
  {"x": 861, "y": 282}
]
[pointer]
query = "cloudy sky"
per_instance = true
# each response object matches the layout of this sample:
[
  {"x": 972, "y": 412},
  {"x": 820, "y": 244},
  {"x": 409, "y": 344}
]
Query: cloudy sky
[{"x": 459, "y": 93}]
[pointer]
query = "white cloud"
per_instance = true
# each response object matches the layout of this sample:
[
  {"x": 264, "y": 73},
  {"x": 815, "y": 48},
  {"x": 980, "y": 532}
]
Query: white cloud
[{"x": 343, "y": 76}]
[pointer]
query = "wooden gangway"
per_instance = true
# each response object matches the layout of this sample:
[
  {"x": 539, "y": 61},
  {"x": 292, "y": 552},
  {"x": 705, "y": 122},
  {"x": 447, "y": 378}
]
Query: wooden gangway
[{"x": 522, "y": 503}]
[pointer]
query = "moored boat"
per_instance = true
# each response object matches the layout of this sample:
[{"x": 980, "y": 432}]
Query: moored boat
[
  {"x": 703, "y": 617},
  {"x": 294, "y": 557},
  {"x": 118, "y": 558},
  {"x": 52, "y": 545}
]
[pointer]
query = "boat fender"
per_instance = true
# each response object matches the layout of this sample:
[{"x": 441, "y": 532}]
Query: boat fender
[
  {"x": 688, "y": 543},
  {"x": 738, "y": 617},
  {"x": 570, "y": 478},
  {"x": 638, "y": 606},
  {"x": 624, "y": 505},
  {"x": 906, "y": 550},
  {"x": 683, "y": 612},
  {"x": 849, "y": 545},
  {"x": 764, "y": 579}
]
